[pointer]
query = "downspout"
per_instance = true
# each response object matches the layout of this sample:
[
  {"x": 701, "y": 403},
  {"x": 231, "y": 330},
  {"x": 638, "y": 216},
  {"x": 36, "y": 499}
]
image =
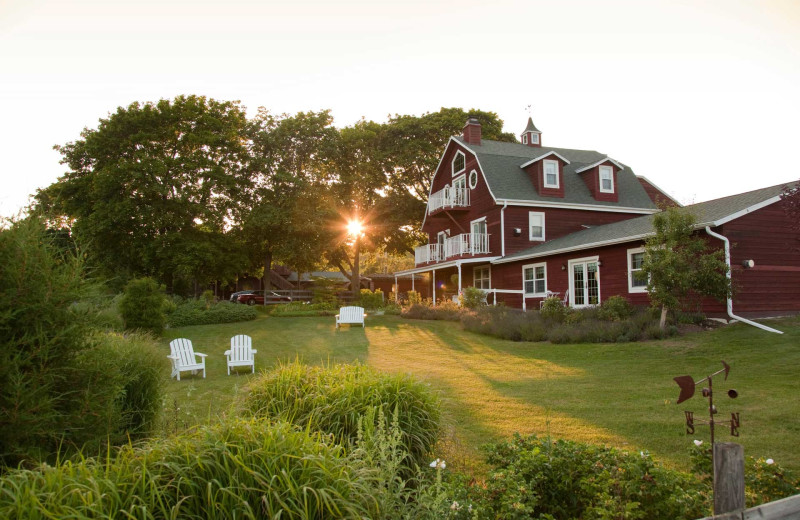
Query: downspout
[
  {"x": 503, "y": 229},
  {"x": 730, "y": 301}
]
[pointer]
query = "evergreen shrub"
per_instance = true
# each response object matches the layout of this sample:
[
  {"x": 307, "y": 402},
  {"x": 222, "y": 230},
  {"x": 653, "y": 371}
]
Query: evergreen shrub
[
  {"x": 371, "y": 299},
  {"x": 142, "y": 306},
  {"x": 472, "y": 298}
]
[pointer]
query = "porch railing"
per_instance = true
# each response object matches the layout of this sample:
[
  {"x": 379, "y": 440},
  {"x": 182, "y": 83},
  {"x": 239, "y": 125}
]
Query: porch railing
[{"x": 448, "y": 198}]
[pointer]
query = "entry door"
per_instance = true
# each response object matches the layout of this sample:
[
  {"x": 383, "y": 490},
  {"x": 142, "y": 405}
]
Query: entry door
[{"x": 584, "y": 282}]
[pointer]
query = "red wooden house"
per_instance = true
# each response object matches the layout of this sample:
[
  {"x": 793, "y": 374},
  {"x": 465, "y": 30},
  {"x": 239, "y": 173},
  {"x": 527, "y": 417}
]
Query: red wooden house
[{"x": 524, "y": 221}]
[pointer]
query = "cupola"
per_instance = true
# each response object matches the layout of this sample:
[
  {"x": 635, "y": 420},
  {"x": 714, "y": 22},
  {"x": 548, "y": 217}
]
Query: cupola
[{"x": 531, "y": 136}]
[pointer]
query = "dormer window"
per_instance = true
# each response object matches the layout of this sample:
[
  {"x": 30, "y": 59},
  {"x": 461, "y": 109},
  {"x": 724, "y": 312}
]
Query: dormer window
[
  {"x": 606, "y": 179},
  {"x": 458, "y": 163},
  {"x": 550, "y": 173}
]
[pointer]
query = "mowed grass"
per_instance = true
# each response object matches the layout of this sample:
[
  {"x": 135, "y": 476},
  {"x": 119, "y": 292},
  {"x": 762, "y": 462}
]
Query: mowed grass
[{"x": 617, "y": 394}]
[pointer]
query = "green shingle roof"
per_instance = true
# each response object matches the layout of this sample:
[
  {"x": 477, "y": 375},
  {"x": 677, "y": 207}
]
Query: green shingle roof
[
  {"x": 710, "y": 213},
  {"x": 501, "y": 164},
  {"x": 531, "y": 127}
]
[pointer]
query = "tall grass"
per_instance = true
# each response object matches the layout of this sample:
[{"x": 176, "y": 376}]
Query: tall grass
[
  {"x": 332, "y": 399},
  {"x": 238, "y": 469}
]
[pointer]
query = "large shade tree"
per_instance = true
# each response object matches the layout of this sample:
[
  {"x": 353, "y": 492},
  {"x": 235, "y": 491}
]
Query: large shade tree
[{"x": 152, "y": 190}]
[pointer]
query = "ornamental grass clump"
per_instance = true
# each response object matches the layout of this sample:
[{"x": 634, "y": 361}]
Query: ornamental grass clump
[
  {"x": 332, "y": 399},
  {"x": 235, "y": 469}
]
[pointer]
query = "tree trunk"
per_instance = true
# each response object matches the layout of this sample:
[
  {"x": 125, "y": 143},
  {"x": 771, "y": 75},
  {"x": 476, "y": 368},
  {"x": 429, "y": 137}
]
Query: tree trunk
[
  {"x": 355, "y": 278},
  {"x": 663, "y": 322},
  {"x": 267, "y": 271}
]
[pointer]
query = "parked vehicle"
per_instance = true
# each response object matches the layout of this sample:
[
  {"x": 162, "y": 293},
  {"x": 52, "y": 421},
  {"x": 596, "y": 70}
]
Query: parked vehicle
[
  {"x": 253, "y": 298},
  {"x": 235, "y": 296}
]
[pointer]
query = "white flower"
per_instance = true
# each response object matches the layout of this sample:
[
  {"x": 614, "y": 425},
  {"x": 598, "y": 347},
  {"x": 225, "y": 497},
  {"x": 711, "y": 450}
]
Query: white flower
[
  {"x": 770, "y": 461},
  {"x": 438, "y": 463},
  {"x": 455, "y": 506},
  {"x": 698, "y": 443}
]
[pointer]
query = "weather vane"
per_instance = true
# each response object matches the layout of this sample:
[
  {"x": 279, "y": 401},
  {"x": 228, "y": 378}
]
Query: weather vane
[
  {"x": 529, "y": 108},
  {"x": 688, "y": 384}
]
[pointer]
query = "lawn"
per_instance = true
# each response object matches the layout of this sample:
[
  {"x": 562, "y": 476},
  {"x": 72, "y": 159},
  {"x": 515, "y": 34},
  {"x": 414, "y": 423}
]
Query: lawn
[{"x": 619, "y": 394}]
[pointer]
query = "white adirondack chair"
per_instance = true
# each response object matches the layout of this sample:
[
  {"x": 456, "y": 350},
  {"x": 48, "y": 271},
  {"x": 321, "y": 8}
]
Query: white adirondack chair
[
  {"x": 184, "y": 358},
  {"x": 352, "y": 315},
  {"x": 242, "y": 353}
]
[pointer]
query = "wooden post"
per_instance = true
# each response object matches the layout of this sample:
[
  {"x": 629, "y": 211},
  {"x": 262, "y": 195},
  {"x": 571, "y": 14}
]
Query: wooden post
[{"x": 728, "y": 477}]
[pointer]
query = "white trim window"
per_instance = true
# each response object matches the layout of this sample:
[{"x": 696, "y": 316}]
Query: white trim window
[
  {"x": 524, "y": 138},
  {"x": 637, "y": 279},
  {"x": 482, "y": 277},
  {"x": 459, "y": 163},
  {"x": 473, "y": 179},
  {"x": 536, "y": 225},
  {"x": 550, "y": 168},
  {"x": 606, "y": 179},
  {"x": 534, "y": 279},
  {"x": 534, "y": 138}
]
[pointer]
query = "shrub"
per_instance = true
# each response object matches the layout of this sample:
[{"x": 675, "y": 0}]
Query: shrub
[
  {"x": 541, "y": 478},
  {"x": 324, "y": 292},
  {"x": 553, "y": 309},
  {"x": 447, "y": 310},
  {"x": 235, "y": 469},
  {"x": 615, "y": 308},
  {"x": 472, "y": 298},
  {"x": 414, "y": 298},
  {"x": 195, "y": 312},
  {"x": 371, "y": 300},
  {"x": 331, "y": 399},
  {"x": 296, "y": 309},
  {"x": 142, "y": 305},
  {"x": 41, "y": 333},
  {"x": 119, "y": 386}
]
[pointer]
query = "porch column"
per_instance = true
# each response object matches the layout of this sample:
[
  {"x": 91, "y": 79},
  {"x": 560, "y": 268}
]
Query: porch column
[
  {"x": 396, "y": 290},
  {"x": 524, "y": 308},
  {"x": 412, "y": 281},
  {"x": 495, "y": 298},
  {"x": 458, "y": 264},
  {"x": 433, "y": 275}
]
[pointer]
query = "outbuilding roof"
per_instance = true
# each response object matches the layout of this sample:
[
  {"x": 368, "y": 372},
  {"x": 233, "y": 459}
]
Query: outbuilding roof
[{"x": 710, "y": 213}]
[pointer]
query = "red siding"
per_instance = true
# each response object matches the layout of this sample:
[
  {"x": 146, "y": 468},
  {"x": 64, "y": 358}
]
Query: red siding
[{"x": 558, "y": 222}]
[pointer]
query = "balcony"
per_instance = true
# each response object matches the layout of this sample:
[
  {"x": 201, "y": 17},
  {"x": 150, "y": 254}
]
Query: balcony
[
  {"x": 471, "y": 244},
  {"x": 448, "y": 199},
  {"x": 426, "y": 254}
]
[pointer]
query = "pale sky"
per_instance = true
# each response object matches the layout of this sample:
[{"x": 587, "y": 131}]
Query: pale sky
[{"x": 701, "y": 97}]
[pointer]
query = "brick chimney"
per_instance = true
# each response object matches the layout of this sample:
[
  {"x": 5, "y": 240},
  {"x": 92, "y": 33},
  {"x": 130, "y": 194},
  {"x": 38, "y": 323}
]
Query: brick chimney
[{"x": 472, "y": 131}]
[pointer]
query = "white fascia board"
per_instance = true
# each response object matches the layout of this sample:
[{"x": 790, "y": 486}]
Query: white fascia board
[
  {"x": 445, "y": 265},
  {"x": 745, "y": 211},
  {"x": 480, "y": 168},
  {"x": 581, "y": 247},
  {"x": 545, "y": 156},
  {"x": 568, "y": 205},
  {"x": 598, "y": 163},
  {"x": 653, "y": 184}
]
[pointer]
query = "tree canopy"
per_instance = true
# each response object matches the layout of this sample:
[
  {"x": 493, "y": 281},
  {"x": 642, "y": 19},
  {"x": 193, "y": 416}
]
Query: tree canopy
[
  {"x": 192, "y": 190},
  {"x": 681, "y": 265}
]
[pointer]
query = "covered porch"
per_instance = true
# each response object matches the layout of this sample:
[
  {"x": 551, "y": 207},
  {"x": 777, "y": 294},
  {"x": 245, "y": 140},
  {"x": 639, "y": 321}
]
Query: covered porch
[{"x": 441, "y": 274}]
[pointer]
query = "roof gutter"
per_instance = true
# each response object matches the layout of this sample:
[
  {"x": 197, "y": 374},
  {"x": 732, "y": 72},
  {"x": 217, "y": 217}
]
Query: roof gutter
[
  {"x": 730, "y": 300},
  {"x": 503, "y": 229}
]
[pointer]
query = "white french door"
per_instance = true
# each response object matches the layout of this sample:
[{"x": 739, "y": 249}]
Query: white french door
[{"x": 584, "y": 282}]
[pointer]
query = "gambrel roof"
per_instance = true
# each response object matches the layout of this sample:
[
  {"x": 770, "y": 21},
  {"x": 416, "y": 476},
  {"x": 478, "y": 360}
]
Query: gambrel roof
[
  {"x": 502, "y": 162},
  {"x": 711, "y": 213}
]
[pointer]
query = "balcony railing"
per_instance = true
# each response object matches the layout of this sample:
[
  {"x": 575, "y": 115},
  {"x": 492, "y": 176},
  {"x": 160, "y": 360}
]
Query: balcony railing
[
  {"x": 467, "y": 244},
  {"x": 464, "y": 244},
  {"x": 428, "y": 253},
  {"x": 448, "y": 198}
]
